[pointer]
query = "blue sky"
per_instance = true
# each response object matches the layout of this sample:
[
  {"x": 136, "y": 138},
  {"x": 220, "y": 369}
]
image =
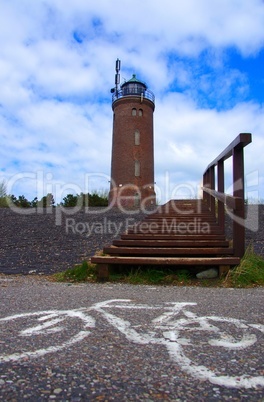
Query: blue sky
[{"x": 203, "y": 60}]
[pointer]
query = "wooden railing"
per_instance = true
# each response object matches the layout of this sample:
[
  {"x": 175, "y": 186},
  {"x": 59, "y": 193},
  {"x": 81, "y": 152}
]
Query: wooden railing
[{"x": 235, "y": 202}]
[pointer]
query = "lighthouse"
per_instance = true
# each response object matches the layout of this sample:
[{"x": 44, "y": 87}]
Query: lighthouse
[{"x": 132, "y": 165}]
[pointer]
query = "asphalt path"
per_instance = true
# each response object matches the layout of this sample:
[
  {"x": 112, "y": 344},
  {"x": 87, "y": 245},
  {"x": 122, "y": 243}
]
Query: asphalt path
[{"x": 115, "y": 342}]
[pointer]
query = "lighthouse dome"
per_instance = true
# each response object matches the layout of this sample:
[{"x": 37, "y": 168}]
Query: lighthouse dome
[{"x": 133, "y": 86}]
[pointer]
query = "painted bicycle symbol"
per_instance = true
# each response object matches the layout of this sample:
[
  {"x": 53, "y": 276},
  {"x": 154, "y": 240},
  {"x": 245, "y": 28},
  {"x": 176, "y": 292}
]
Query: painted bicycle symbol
[{"x": 188, "y": 338}]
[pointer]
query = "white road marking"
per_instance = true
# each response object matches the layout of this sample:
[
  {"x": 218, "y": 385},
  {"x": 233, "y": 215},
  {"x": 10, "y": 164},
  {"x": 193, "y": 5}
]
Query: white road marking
[
  {"x": 200, "y": 372},
  {"x": 40, "y": 328},
  {"x": 41, "y": 352},
  {"x": 164, "y": 330},
  {"x": 228, "y": 341},
  {"x": 260, "y": 327}
]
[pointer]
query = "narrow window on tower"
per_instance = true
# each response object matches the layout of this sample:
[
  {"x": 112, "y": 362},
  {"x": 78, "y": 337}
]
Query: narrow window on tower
[
  {"x": 137, "y": 200},
  {"x": 137, "y": 137},
  {"x": 137, "y": 168},
  {"x": 134, "y": 111},
  {"x": 140, "y": 112}
]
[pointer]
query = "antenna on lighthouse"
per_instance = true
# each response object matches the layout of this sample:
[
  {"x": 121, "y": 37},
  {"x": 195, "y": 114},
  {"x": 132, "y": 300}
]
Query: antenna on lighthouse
[{"x": 117, "y": 77}]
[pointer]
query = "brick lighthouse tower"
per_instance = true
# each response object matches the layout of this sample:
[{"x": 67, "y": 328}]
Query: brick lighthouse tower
[{"x": 132, "y": 167}]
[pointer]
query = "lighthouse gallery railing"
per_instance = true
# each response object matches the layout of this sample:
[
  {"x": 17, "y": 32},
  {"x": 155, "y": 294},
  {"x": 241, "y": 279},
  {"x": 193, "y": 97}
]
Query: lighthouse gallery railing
[{"x": 147, "y": 94}]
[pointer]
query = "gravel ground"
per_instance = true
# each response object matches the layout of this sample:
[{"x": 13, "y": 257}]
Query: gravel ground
[
  {"x": 122, "y": 353},
  {"x": 52, "y": 242}
]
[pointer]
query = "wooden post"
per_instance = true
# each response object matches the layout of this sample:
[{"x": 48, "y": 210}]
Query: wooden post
[
  {"x": 102, "y": 272},
  {"x": 212, "y": 187},
  {"x": 223, "y": 270},
  {"x": 239, "y": 212},
  {"x": 221, "y": 189},
  {"x": 205, "y": 184}
]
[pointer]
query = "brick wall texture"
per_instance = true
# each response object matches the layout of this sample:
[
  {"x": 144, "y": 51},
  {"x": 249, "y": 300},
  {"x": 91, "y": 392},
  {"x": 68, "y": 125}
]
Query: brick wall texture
[{"x": 129, "y": 184}]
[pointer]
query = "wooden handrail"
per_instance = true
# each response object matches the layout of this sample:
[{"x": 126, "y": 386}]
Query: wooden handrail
[
  {"x": 230, "y": 201},
  {"x": 236, "y": 202},
  {"x": 241, "y": 141}
]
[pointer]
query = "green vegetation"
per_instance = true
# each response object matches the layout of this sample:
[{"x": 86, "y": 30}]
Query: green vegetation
[
  {"x": 157, "y": 276},
  {"x": 86, "y": 272},
  {"x": 22, "y": 202},
  {"x": 92, "y": 200},
  {"x": 95, "y": 199},
  {"x": 3, "y": 196},
  {"x": 79, "y": 273},
  {"x": 3, "y": 202},
  {"x": 144, "y": 276},
  {"x": 2, "y": 189},
  {"x": 249, "y": 273}
]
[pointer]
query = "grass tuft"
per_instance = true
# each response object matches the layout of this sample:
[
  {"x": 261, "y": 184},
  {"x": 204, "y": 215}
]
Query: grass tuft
[
  {"x": 145, "y": 276},
  {"x": 250, "y": 271},
  {"x": 151, "y": 276},
  {"x": 79, "y": 273}
]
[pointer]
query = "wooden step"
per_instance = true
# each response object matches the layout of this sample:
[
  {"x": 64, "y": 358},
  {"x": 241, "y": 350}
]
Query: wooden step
[
  {"x": 176, "y": 235},
  {"x": 171, "y": 243},
  {"x": 178, "y": 216},
  {"x": 173, "y": 237},
  {"x": 173, "y": 222},
  {"x": 179, "y": 231},
  {"x": 177, "y": 261},
  {"x": 179, "y": 213},
  {"x": 187, "y": 251},
  {"x": 188, "y": 227},
  {"x": 194, "y": 215}
]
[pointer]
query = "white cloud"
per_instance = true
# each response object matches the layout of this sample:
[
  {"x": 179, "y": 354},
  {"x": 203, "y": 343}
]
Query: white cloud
[{"x": 188, "y": 138}]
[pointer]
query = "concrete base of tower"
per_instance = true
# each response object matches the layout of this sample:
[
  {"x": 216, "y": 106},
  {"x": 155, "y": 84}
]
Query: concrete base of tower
[{"x": 132, "y": 197}]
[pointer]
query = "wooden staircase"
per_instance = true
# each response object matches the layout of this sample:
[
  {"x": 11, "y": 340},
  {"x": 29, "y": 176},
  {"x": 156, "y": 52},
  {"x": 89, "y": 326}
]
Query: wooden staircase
[{"x": 181, "y": 233}]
